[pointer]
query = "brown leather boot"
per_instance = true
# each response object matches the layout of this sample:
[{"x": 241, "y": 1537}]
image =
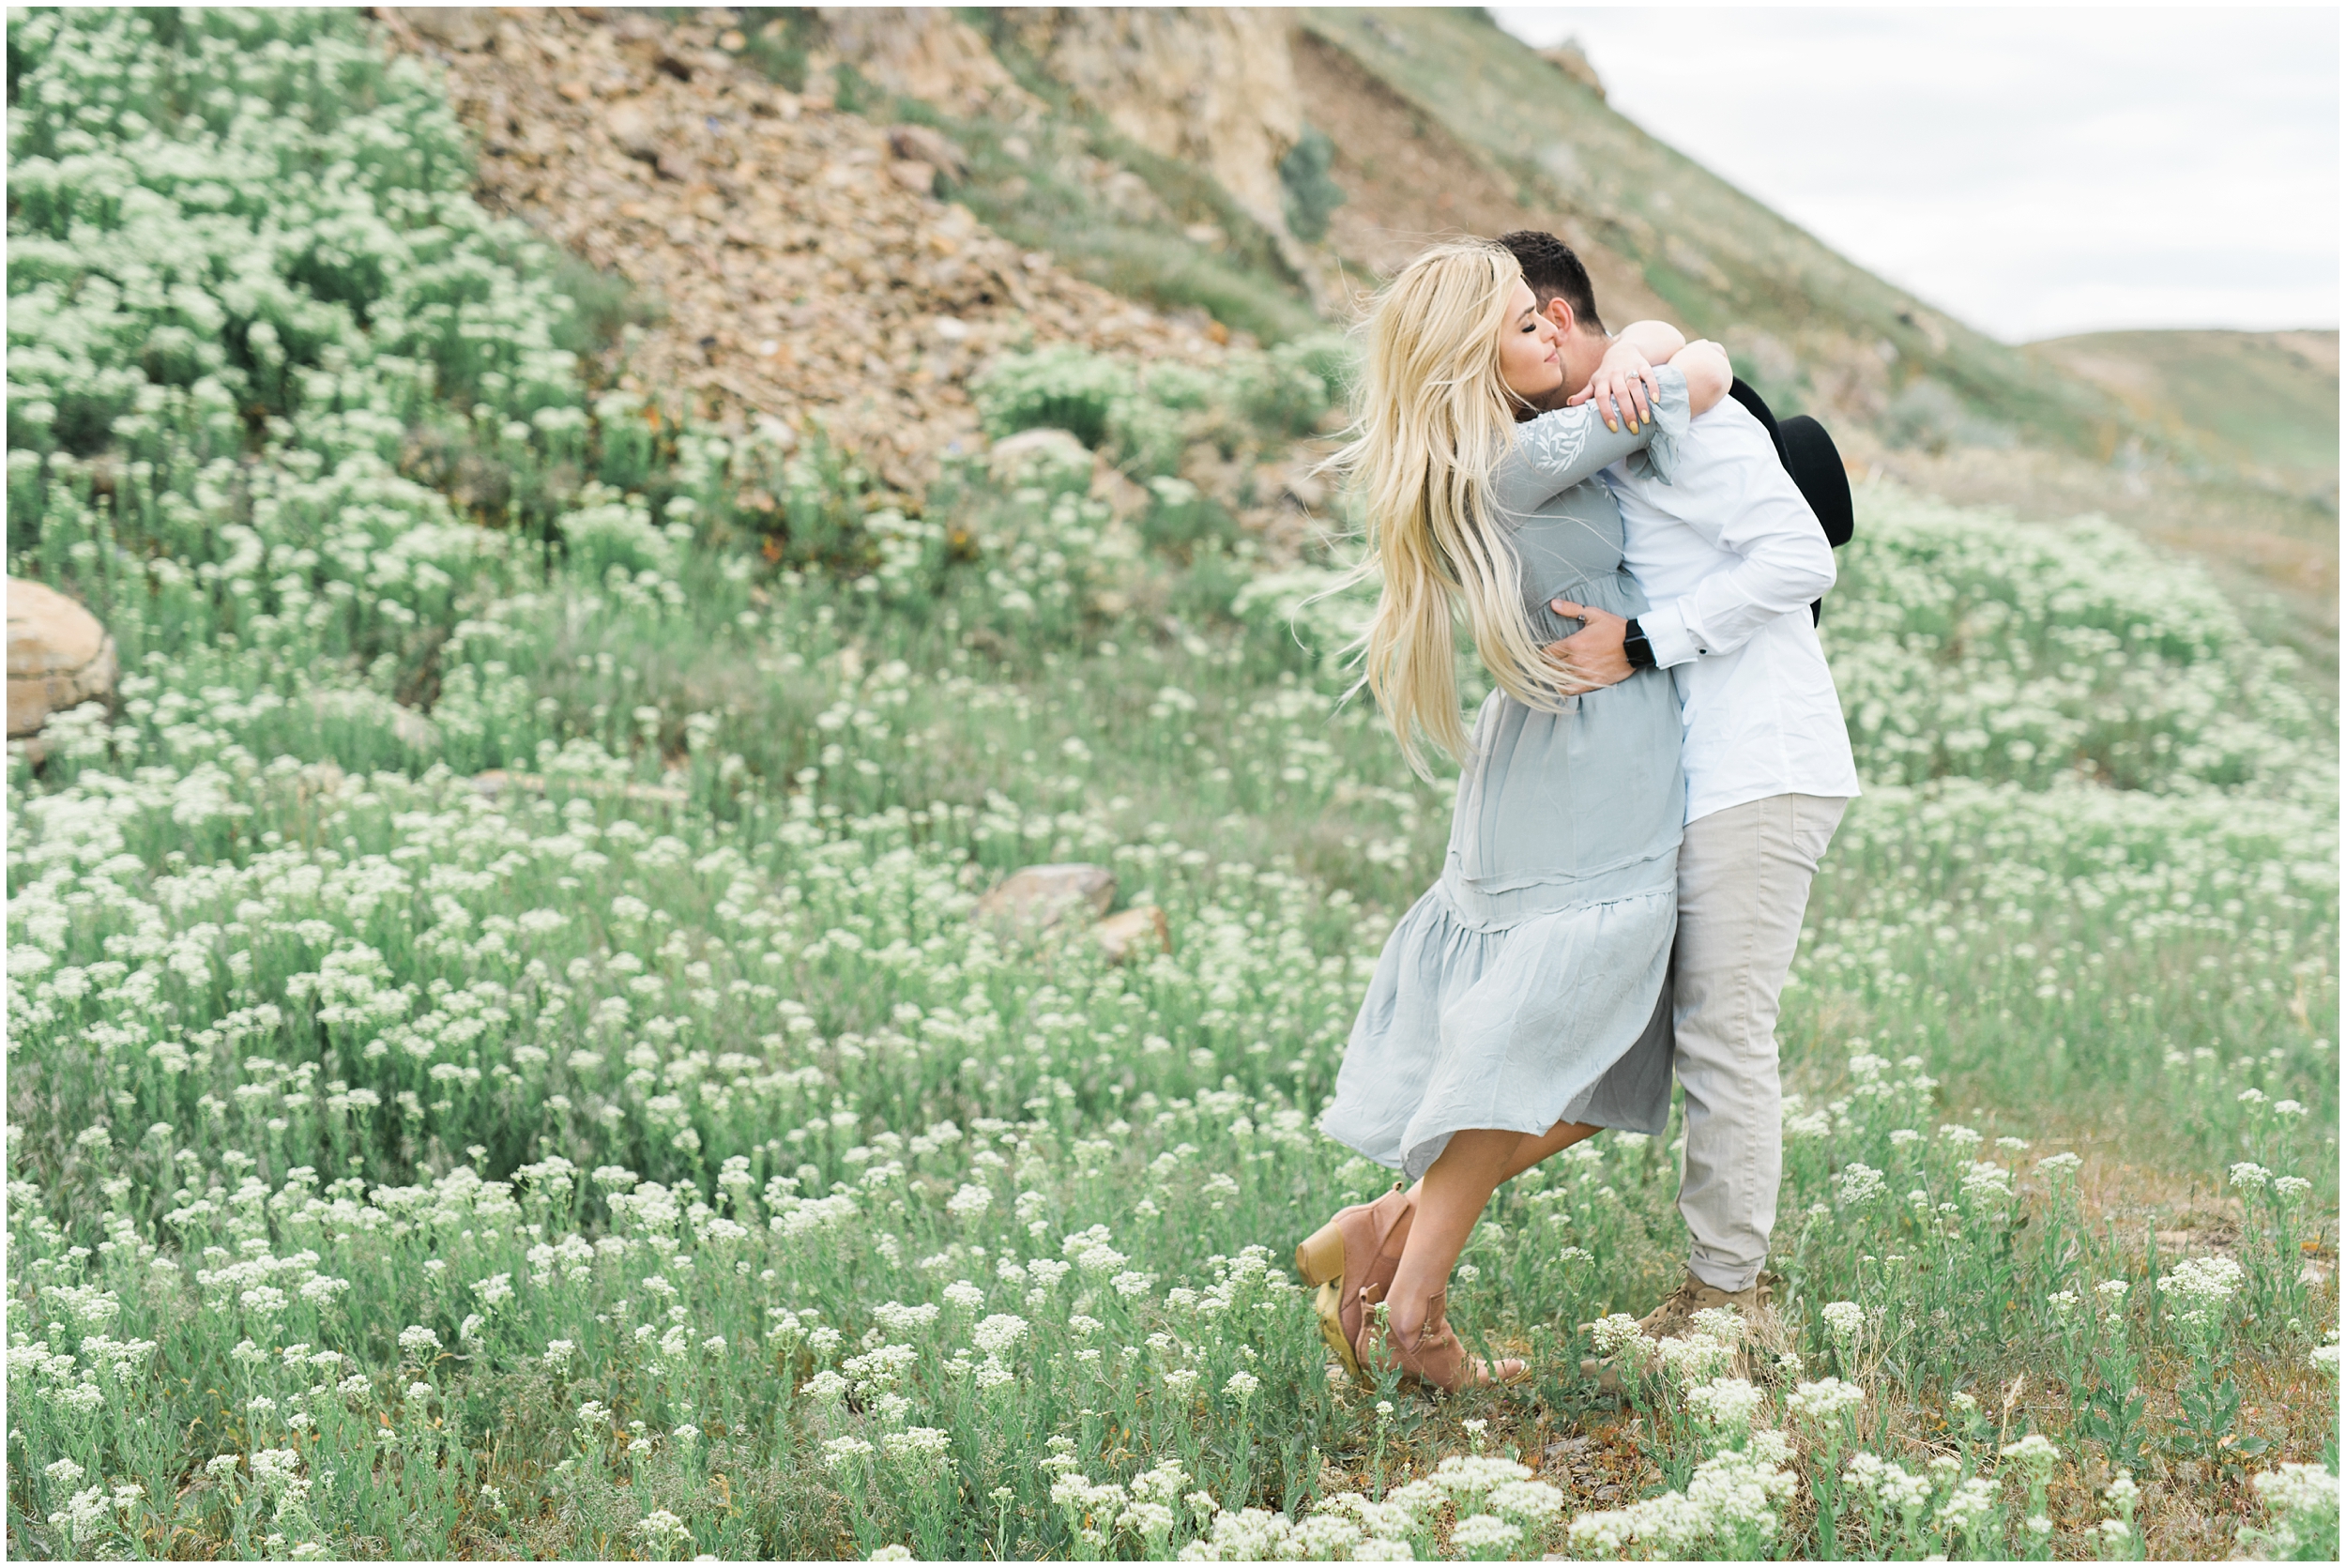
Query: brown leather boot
[
  {"x": 1433, "y": 1355},
  {"x": 1344, "y": 1257}
]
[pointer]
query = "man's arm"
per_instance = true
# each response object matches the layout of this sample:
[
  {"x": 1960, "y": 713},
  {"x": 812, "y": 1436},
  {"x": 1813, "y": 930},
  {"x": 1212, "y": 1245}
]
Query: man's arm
[{"x": 1744, "y": 506}]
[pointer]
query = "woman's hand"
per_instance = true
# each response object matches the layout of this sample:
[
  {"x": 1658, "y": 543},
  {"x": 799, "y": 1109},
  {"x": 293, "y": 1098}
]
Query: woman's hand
[{"x": 1624, "y": 386}]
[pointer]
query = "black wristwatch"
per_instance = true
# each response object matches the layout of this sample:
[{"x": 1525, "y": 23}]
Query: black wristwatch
[{"x": 1635, "y": 648}]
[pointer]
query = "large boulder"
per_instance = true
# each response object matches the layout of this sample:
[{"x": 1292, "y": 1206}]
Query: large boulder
[
  {"x": 1035, "y": 899},
  {"x": 59, "y": 656}
]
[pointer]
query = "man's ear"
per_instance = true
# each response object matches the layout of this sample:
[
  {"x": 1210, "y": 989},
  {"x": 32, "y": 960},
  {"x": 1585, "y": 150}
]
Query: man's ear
[{"x": 1559, "y": 313}]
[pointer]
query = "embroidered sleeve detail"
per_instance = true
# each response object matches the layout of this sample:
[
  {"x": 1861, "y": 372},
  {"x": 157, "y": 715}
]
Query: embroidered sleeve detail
[{"x": 1554, "y": 442}]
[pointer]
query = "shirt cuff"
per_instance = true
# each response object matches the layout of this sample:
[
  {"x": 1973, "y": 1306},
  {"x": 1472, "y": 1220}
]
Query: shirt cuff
[{"x": 1667, "y": 634}]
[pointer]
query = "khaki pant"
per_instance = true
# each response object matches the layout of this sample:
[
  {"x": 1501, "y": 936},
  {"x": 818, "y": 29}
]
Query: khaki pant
[{"x": 1742, "y": 886}]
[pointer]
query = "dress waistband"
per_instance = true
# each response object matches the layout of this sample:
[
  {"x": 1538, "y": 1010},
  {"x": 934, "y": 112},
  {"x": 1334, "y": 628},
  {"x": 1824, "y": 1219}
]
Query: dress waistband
[{"x": 1498, "y": 904}]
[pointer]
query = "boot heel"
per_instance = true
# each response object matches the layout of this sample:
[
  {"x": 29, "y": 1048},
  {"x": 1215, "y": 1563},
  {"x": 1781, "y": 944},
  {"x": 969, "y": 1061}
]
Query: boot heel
[
  {"x": 1326, "y": 1308},
  {"x": 1320, "y": 1259}
]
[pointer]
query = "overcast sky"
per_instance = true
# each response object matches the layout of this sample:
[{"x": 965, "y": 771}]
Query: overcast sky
[{"x": 2033, "y": 170}]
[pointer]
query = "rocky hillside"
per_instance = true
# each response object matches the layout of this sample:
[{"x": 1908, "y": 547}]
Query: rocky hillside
[
  {"x": 793, "y": 257},
  {"x": 841, "y": 214}
]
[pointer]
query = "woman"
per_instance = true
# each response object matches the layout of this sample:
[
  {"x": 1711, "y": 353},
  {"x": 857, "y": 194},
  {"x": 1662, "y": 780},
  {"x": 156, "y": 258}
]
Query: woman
[{"x": 1519, "y": 1005}]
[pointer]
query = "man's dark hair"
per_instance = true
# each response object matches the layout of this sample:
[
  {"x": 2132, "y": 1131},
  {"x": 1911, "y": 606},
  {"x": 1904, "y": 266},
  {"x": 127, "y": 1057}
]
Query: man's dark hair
[{"x": 1554, "y": 272}]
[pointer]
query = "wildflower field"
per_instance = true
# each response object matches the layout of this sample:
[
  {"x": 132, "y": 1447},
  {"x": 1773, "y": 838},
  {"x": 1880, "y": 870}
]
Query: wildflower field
[{"x": 502, "y": 1063}]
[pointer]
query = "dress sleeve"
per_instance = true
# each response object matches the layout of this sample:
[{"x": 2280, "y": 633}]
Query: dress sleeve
[
  {"x": 1672, "y": 415},
  {"x": 1565, "y": 446}
]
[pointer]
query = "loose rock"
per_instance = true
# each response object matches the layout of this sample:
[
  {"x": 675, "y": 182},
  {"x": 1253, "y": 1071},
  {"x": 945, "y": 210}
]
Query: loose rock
[
  {"x": 1128, "y": 931},
  {"x": 1052, "y": 459},
  {"x": 1034, "y": 899},
  {"x": 59, "y": 656},
  {"x": 920, "y": 143}
]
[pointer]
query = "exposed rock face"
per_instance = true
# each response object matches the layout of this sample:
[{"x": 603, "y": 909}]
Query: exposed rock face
[
  {"x": 59, "y": 656},
  {"x": 924, "y": 52},
  {"x": 457, "y": 26},
  {"x": 1567, "y": 57},
  {"x": 1212, "y": 87},
  {"x": 1035, "y": 899}
]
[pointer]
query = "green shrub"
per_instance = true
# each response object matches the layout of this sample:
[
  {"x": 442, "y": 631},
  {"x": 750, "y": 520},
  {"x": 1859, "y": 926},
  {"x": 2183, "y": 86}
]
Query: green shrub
[
  {"x": 1150, "y": 437},
  {"x": 1311, "y": 195},
  {"x": 1180, "y": 515},
  {"x": 1061, "y": 388},
  {"x": 1334, "y": 357},
  {"x": 1276, "y": 393},
  {"x": 1175, "y": 385}
]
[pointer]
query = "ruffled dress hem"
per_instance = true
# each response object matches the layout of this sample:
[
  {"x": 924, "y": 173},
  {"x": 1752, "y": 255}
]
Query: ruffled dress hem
[{"x": 1563, "y": 1015}]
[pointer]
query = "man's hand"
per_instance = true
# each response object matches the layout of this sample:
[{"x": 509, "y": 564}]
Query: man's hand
[
  {"x": 1624, "y": 386},
  {"x": 1591, "y": 656}
]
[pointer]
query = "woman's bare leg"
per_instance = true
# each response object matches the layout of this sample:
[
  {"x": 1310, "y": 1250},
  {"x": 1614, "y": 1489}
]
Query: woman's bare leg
[
  {"x": 1529, "y": 1150},
  {"x": 1449, "y": 1201},
  {"x": 1536, "y": 1146}
]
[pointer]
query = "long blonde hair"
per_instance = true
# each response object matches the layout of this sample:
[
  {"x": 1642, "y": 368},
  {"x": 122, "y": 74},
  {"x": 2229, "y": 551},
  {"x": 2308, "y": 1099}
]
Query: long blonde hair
[{"x": 1434, "y": 421}]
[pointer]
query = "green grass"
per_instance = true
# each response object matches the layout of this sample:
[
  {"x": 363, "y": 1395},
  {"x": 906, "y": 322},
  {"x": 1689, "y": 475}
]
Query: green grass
[{"x": 653, "y": 1154}]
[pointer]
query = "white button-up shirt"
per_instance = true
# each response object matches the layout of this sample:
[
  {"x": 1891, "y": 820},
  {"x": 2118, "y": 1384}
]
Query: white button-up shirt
[{"x": 1729, "y": 555}]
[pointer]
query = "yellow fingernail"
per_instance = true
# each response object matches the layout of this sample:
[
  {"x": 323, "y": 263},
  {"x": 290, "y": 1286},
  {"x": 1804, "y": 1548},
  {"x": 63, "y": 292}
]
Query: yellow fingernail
[
  {"x": 1609, "y": 425},
  {"x": 1632, "y": 427}
]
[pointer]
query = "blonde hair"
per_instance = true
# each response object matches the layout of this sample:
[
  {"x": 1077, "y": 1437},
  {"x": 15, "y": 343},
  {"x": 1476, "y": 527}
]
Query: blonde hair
[{"x": 1434, "y": 421}]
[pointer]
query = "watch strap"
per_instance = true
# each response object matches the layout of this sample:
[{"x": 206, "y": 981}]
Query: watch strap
[{"x": 1635, "y": 648}]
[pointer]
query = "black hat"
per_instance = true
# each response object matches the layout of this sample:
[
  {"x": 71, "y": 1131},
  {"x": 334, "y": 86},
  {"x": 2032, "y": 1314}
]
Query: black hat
[
  {"x": 1741, "y": 390},
  {"x": 1810, "y": 456},
  {"x": 1814, "y": 462}
]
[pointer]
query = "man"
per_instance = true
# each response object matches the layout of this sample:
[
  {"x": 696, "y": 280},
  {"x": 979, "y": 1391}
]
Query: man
[{"x": 1730, "y": 556}]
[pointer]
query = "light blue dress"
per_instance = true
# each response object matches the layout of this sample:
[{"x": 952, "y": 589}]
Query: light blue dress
[{"x": 1529, "y": 985}]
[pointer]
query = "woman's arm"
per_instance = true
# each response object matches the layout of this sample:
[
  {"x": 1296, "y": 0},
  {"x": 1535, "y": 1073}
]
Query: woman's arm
[
  {"x": 1656, "y": 340},
  {"x": 1565, "y": 446}
]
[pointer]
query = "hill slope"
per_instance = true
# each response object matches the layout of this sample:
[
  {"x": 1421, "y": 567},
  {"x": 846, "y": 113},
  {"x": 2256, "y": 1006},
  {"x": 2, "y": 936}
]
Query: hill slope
[
  {"x": 2263, "y": 403},
  {"x": 1809, "y": 326}
]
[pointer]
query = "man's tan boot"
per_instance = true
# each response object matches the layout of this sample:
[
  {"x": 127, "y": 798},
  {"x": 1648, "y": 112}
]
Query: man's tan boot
[{"x": 1675, "y": 1317}]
